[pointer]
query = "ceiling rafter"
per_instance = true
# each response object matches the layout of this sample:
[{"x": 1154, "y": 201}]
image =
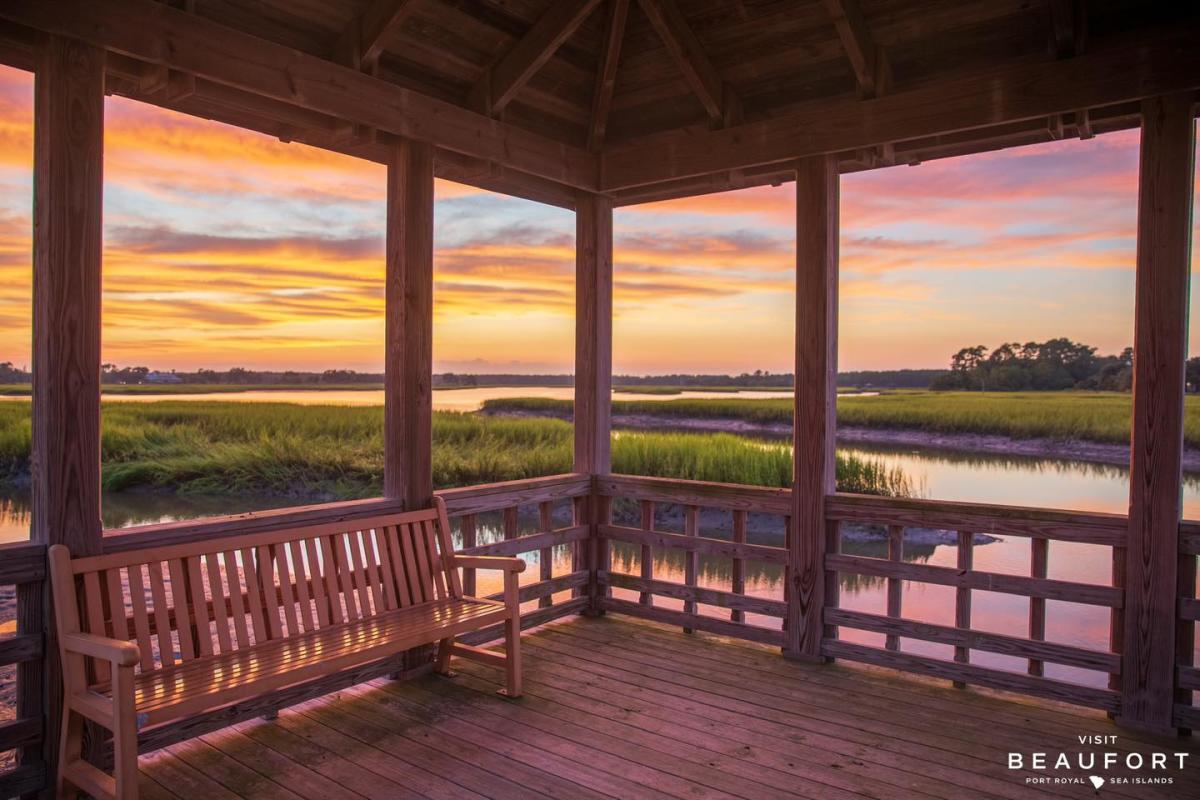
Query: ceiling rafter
[
  {"x": 362, "y": 42},
  {"x": 499, "y": 84},
  {"x": 870, "y": 64},
  {"x": 720, "y": 101},
  {"x": 606, "y": 74}
]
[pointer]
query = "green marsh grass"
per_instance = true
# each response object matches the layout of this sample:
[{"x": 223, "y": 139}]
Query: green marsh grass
[
  {"x": 1081, "y": 416},
  {"x": 213, "y": 447}
]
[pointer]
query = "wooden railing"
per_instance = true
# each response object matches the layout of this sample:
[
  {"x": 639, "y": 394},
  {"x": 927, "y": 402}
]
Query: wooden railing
[
  {"x": 1040, "y": 527},
  {"x": 692, "y": 540},
  {"x": 550, "y": 499},
  {"x": 1187, "y": 678},
  {"x": 893, "y": 516},
  {"x": 719, "y": 523},
  {"x": 23, "y": 566}
]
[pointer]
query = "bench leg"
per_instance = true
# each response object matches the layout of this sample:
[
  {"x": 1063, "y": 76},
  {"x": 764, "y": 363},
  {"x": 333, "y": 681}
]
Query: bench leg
[
  {"x": 445, "y": 647},
  {"x": 70, "y": 750},
  {"x": 125, "y": 736},
  {"x": 512, "y": 637}
]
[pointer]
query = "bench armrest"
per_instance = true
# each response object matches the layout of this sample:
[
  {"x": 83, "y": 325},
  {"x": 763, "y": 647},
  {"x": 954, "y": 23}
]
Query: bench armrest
[
  {"x": 505, "y": 563},
  {"x": 120, "y": 653}
]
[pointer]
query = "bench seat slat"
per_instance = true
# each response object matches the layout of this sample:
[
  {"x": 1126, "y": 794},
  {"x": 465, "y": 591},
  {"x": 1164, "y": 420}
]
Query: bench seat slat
[
  {"x": 302, "y": 597},
  {"x": 371, "y": 557},
  {"x": 141, "y": 618},
  {"x": 215, "y": 681},
  {"x": 329, "y": 570},
  {"x": 220, "y": 612},
  {"x": 235, "y": 599},
  {"x": 158, "y": 593},
  {"x": 179, "y": 601},
  {"x": 258, "y": 620},
  {"x": 318, "y": 582}
]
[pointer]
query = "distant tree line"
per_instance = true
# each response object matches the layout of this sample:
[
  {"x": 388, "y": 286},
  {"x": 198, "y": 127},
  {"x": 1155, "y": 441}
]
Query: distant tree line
[{"x": 1055, "y": 364}]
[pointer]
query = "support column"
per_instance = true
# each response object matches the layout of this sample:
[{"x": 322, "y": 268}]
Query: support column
[
  {"x": 815, "y": 399},
  {"x": 593, "y": 363},
  {"x": 408, "y": 352},
  {"x": 67, "y": 192},
  {"x": 1160, "y": 349}
]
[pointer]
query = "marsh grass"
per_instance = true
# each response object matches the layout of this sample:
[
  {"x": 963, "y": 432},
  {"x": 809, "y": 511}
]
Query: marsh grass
[
  {"x": 1080, "y": 416},
  {"x": 337, "y": 452}
]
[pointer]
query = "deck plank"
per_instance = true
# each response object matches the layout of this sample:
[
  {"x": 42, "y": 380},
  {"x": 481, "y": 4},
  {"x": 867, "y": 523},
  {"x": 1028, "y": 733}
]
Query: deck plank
[{"x": 622, "y": 708}]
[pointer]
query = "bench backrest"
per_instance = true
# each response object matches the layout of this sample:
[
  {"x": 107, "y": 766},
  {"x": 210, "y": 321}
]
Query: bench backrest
[{"x": 180, "y": 602}]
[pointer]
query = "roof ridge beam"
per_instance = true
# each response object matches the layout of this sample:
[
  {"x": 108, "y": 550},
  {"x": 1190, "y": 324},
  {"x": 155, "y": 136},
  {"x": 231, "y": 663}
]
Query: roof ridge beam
[
  {"x": 720, "y": 101},
  {"x": 870, "y": 64},
  {"x": 501, "y": 82},
  {"x": 362, "y": 41},
  {"x": 606, "y": 74}
]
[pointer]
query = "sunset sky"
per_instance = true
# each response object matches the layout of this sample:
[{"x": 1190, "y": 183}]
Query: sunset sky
[{"x": 227, "y": 248}]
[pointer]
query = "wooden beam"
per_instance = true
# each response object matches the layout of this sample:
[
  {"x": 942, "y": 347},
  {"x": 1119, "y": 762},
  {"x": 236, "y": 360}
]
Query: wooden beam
[
  {"x": 500, "y": 84},
  {"x": 151, "y": 31},
  {"x": 1160, "y": 349},
  {"x": 815, "y": 398},
  {"x": 362, "y": 41},
  {"x": 408, "y": 370},
  {"x": 867, "y": 60},
  {"x": 68, "y": 156},
  {"x": 1154, "y": 62},
  {"x": 685, "y": 49},
  {"x": 606, "y": 73},
  {"x": 593, "y": 333},
  {"x": 1068, "y": 26}
]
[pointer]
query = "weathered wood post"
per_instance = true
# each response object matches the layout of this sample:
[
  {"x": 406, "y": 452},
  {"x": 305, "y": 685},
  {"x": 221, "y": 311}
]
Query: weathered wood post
[
  {"x": 408, "y": 334},
  {"x": 68, "y": 180},
  {"x": 1160, "y": 349},
  {"x": 593, "y": 362},
  {"x": 408, "y": 353},
  {"x": 815, "y": 398}
]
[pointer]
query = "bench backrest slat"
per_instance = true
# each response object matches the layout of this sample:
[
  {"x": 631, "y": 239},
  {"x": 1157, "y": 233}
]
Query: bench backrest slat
[{"x": 182, "y": 602}]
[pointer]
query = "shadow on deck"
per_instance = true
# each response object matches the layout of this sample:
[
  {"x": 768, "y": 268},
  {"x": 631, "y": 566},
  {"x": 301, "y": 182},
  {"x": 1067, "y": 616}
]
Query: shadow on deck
[{"x": 629, "y": 709}]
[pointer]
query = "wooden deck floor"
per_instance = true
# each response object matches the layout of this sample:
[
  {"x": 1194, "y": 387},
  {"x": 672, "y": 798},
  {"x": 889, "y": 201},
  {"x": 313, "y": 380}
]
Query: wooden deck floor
[{"x": 626, "y": 709}]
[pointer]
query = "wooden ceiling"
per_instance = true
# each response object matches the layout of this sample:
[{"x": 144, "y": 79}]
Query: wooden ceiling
[{"x": 648, "y": 89}]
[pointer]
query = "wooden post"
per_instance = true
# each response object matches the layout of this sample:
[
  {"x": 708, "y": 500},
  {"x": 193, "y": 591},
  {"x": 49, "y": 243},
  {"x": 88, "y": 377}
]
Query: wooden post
[
  {"x": 593, "y": 359},
  {"x": 67, "y": 207},
  {"x": 408, "y": 371},
  {"x": 1160, "y": 348},
  {"x": 815, "y": 398}
]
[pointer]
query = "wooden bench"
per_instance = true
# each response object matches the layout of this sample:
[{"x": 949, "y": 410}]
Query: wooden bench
[{"x": 155, "y": 636}]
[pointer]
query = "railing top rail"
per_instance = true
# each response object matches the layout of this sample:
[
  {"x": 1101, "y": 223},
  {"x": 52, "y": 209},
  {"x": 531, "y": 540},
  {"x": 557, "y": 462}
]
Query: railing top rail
[
  {"x": 1074, "y": 526},
  {"x": 701, "y": 493},
  {"x": 470, "y": 499}
]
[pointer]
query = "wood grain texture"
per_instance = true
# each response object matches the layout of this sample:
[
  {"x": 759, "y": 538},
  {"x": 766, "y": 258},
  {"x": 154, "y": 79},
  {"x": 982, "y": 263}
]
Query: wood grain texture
[
  {"x": 858, "y": 43},
  {"x": 1001, "y": 520},
  {"x": 1157, "y": 61},
  {"x": 408, "y": 369},
  {"x": 1160, "y": 348},
  {"x": 606, "y": 72},
  {"x": 67, "y": 241},
  {"x": 1048, "y": 588},
  {"x": 815, "y": 398},
  {"x": 593, "y": 334},
  {"x": 689, "y": 55},
  {"x": 501, "y": 83}
]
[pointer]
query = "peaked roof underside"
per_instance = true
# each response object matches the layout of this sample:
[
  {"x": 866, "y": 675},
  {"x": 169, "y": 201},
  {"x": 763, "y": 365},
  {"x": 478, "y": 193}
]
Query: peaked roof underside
[{"x": 665, "y": 81}]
